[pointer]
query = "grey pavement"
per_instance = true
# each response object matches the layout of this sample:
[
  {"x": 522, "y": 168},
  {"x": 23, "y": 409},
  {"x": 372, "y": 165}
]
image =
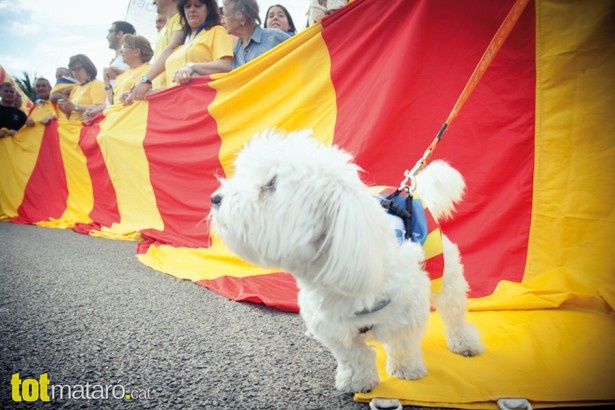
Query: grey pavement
[{"x": 87, "y": 313}]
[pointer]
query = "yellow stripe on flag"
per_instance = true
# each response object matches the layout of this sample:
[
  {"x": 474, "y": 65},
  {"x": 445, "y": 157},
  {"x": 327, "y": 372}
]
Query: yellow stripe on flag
[
  {"x": 122, "y": 148},
  {"x": 289, "y": 88},
  {"x": 433, "y": 244},
  {"x": 573, "y": 226},
  {"x": 197, "y": 264},
  {"x": 18, "y": 155},
  {"x": 80, "y": 199}
]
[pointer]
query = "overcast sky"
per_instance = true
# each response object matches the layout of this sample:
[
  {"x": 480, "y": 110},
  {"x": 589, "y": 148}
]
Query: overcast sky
[{"x": 36, "y": 36}]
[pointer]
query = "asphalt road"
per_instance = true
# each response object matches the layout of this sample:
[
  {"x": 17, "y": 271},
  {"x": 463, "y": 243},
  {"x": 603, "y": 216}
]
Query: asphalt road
[{"x": 84, "y": 318}]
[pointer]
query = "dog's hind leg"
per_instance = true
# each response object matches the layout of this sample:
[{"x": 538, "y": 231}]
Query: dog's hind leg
[
  {"x": 462, "y": 337},
  {"x": 404, "y": 354}
]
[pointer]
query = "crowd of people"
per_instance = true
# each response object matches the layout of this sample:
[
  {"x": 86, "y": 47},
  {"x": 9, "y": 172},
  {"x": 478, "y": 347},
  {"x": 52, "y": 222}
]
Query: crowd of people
[{"x": 195, "y": 38}]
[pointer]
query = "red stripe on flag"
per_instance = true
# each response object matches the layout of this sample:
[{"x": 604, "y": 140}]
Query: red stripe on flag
[
  {"x": 398, "y": 74},
  {"x": 278, "y": 290},
  {"x": 182, "y": 146},
  {"x": 46, "y": 191},
  {"x": 435, "y": 266},
  {"x": 105, "y": 210}
]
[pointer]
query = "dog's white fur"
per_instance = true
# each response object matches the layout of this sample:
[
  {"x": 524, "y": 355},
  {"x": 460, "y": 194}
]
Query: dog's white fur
[{"x": 299, "y": 205}]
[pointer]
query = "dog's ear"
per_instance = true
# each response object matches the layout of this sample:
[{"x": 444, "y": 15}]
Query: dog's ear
[{"x": 352, "y": 251}]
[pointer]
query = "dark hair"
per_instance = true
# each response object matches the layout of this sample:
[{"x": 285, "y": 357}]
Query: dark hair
[
  {"x": 124, "y": 26},
  {"x": 85, "y": 61},
  {"x": 291, "y": 23},
  {"x": 211, "y": 19}
]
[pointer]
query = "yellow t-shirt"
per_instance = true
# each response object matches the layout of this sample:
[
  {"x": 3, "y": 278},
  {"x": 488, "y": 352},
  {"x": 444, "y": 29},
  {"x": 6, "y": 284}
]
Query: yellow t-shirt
[
  {"x": 42, "y": 110},
  {"x": 162, "y": 41},
  {"x": 127, "y": 79},
  {"x": 208, "y": 45},
  {"x": 90, "y": 93}
]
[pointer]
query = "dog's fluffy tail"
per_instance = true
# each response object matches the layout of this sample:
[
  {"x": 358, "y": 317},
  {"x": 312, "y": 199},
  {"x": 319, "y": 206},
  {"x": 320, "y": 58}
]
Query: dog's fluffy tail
[{"x": 441, "y": 187}]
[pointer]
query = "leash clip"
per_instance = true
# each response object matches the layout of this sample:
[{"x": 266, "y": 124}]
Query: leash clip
[{"x": 408, "y": 185}]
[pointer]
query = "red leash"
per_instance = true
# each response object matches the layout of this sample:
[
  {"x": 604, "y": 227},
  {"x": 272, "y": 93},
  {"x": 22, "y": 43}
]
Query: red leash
[{"x": 498, "y": 39}]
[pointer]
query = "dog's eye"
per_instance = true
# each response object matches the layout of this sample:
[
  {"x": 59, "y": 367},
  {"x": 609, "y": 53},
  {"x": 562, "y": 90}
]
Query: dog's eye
[{"x": 271, "y": 184}]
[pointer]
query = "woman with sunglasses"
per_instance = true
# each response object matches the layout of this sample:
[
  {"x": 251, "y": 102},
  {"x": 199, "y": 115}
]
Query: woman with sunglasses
[
  {"x": 203, "y": 47},
  {"x": 86, "y": 94}
]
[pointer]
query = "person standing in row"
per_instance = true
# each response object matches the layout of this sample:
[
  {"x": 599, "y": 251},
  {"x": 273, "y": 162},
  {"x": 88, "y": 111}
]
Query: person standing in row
[
  {"x": 43, "y": 110},
  {"x": 117, "y": 65},
  {"x": 277, "y": 16},
  {"x": 203, "y": 47},
  {"x": 11, "y": 117},
  {"x": 87, "y": 94},
  {"x": 63, "y": 80},
  {"x": 168, "y": 9},
  {"x": 242, "y": 20},
  {"x": 207, "y": 49},
  {"x": 43, "y": 89},
  {"x": 161, "y": 21},
  {"x": 137, "y": 52},
  {"x": 114, "y": 37}
]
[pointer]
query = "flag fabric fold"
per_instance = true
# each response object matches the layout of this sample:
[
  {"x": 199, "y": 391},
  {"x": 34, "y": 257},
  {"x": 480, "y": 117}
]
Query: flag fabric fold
[{"x": 533, "y": 141}]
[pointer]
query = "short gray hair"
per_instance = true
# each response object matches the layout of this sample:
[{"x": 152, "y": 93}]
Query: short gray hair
[{"x": 244, "y": 8}]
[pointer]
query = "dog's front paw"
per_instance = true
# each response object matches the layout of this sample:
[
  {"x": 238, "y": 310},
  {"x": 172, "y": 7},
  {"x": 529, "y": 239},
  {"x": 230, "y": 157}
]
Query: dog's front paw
[
  {"x": 351, "y": 380},
  {"x": 410, "y": 371}
]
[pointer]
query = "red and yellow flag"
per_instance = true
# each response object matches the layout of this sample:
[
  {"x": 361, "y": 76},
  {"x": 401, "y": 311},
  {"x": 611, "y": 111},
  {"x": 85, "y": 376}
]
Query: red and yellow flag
[{"x": 534, "y": 142}]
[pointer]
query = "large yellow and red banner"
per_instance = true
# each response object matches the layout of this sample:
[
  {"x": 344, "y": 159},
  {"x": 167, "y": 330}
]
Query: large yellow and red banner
[{"x": 534, "y": 142}]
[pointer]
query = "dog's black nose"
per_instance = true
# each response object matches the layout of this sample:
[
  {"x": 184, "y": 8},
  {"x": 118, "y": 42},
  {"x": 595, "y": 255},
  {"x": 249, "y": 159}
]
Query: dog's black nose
[{"x": 216, "y": 200}]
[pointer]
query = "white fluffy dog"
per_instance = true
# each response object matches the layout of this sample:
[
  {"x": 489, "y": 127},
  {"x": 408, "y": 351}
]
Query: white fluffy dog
[{"x": 299, "y": 205}]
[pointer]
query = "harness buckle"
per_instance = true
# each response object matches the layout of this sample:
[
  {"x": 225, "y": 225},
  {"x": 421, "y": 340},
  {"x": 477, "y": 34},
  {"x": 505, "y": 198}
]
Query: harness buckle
[{"x": 405, "y": 213}]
